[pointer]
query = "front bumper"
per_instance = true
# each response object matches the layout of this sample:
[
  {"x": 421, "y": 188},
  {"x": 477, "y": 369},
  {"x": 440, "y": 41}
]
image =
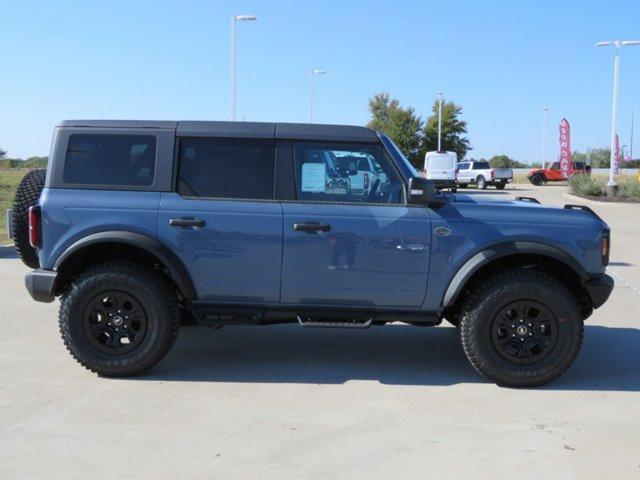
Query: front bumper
[
  {"x": 599, "y": 290},
  {"x": 41, "y": 285}
]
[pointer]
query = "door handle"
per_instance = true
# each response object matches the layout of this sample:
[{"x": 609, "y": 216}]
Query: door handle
[
  {"x": 311, "y": 227},
  {"x": 186, "y": 222}
]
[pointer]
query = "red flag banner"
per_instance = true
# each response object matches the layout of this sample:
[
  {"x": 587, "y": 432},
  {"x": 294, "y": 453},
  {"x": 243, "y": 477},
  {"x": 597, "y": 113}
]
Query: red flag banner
[
  {"x": 616, "y": 158},
  {"x": 565, "y": 148}
]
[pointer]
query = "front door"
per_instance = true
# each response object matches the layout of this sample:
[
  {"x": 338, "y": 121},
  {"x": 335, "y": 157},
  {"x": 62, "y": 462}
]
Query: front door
[
  {"x": 345, "y": 246},
  {"x": 223, "y": 222}
]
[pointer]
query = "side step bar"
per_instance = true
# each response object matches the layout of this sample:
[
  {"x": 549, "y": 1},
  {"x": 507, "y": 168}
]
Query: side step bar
[{"x": 309, "y": 322}]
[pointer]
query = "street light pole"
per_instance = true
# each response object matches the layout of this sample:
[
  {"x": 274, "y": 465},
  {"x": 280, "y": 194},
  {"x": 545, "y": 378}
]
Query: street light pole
[
  {"x": 545, "y": 111},
  {"x": 234, "y": 21},
  {"x": 612, "y": 187},
  {"x": 439, "y": 121},
  {"x": 312, "y": 72}
]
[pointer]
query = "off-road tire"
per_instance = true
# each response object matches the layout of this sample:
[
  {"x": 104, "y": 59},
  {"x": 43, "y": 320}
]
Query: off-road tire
[
  {"x": 500, "y": 185},
  {"x": 536, "y": 179},
  {"x": 28, "y": 194},
  {"x": 487, "y": 299},
  {"x": 157, "y": 299},
  {"x": 481, "y": 183}
]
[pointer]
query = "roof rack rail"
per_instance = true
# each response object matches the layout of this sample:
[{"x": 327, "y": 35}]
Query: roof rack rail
[
  {"x": 527, "y": 199},
  {"x": 570, "y": 206}
]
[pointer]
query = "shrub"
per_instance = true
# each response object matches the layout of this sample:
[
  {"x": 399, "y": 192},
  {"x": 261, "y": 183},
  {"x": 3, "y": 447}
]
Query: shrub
[
  {"x": 587, "y": 185},
  {"x": 628, "y": 186}
]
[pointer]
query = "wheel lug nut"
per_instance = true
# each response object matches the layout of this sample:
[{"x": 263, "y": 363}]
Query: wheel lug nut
[
  {"x": 513, "y": 335},
  {"x": 521, "y": 320},
  {"x": 529, "y": 324},
  {"x": 513, "y": 326},
  {"x": 530, "y": 334}
]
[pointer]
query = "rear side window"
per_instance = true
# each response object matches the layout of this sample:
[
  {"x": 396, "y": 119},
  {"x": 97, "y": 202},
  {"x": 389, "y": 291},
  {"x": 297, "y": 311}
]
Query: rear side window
[
  {"x": 226, "y": 168},
  {"x": 122, "y": 160},
  {"x": 481, "y": 165},
  {"x": 463, "y": 166}
]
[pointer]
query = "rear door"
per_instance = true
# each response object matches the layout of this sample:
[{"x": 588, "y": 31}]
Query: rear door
[
  {"x": 346, "y": 248},
  {"x": 222, "y": 219}
]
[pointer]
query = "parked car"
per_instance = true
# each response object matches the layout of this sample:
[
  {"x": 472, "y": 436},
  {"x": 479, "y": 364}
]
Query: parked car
[
  {"x": 141, "y": 224},
  {"x": 481, "y": 174},
  {"x": 553, "y": 173},
  {"x": 440, "y": 167}
]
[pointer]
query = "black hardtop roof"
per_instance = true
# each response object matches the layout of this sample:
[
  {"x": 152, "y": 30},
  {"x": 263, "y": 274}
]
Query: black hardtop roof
[{"x": 288, "y": 131}]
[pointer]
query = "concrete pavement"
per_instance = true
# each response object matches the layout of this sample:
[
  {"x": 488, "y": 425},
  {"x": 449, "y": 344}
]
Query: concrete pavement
[{"x": 284, "y": 402}]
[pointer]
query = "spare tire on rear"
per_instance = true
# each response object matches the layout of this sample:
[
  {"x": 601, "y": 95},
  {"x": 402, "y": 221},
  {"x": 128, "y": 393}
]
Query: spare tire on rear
[{"x": 28, "y": 194}]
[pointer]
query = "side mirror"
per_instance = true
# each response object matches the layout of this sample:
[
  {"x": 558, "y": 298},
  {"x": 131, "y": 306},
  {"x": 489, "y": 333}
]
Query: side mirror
[{"x": 423, "y": 192}]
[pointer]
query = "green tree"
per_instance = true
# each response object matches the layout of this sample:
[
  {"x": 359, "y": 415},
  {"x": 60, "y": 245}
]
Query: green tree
[
  {"x": 402, "y": 125},
  {"x": 453, "y": 130},
  {"x": 503, "y": 161},
  {"x": 3, "y": 153}
]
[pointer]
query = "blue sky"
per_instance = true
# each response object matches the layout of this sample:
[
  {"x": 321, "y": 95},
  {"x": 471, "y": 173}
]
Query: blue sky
[{"x": 166, "y": 59}]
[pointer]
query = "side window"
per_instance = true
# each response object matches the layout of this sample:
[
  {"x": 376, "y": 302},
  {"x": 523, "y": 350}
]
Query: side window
[
  {"x": 122, "y": 160},
  {"x": 346, "y": 173},
  {"x": 226, "y": 168},
  {"x": 481, "y": 165},
  {"x": 463, "y": 166},
  {"x": 555, "y": 166}
]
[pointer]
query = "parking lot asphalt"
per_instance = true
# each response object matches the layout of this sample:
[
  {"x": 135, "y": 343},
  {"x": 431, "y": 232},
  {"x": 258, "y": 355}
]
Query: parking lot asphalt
[{"x": 285, "y": 402}]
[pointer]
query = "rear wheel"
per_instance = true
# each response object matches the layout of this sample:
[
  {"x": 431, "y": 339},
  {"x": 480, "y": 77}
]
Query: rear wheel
[
  {"x": 119, "y": 319},
  {"x": 481, "y": 183},
  {"x": 536, "y": 179},
  {"x": 521, "y": 328},
  {"x": 27, "y": 195}
]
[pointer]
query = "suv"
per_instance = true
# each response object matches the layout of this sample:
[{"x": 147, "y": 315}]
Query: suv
[
  {"x": 481, "y": 173},
  {"x": 141, "y": 224},
  {"x": 553, "y": 173}
]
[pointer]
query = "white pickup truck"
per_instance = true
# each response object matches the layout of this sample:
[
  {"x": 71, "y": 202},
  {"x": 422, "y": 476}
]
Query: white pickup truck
[{"x": 482, "y": 174}]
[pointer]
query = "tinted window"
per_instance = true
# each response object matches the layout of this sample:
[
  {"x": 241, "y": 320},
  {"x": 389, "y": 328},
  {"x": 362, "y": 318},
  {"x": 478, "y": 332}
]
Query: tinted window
[
  {"x": 555, "y": 166},
  {"x": 463, "y": 166},
  {"x": 334, "y": 173},
  {"x": 127, "y": 160},
  {"x": 225, "y": 168},
  {"x": 481, "y": 165}
]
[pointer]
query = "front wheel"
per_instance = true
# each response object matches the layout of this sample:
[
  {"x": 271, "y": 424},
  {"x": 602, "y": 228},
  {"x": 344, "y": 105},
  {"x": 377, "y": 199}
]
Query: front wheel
[
  {"x": 521, "y": 328},
  {"x": 119, "y": 318},
  {"x": 536, "y": 179}
]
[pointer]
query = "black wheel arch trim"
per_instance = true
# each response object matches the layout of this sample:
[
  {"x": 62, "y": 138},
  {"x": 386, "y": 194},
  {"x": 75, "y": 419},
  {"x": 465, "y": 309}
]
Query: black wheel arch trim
[
  {"x": 177, "y": 270},
  {"x": 488, "y": 255}
]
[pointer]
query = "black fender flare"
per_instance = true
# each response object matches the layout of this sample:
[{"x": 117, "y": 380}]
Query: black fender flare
[
  {"x": 488, "y": 255},
  {"x": 177, "y": 270}
]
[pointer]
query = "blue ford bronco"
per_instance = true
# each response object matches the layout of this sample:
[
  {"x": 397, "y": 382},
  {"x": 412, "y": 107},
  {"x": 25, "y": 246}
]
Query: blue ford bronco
[{"x": 140, "y": 225}]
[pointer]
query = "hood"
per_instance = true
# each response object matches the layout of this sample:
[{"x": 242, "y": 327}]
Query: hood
[{"x": 533, "y": 171}]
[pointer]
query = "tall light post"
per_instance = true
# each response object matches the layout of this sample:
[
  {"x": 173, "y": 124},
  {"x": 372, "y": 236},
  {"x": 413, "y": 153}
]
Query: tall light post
[
  {"x": 612, "y": 187},
  {"x": 439, "y": 121},
  {"x": 312, "y": 73},
  {"x": 545, "y": 111},
  {"x": 234, "y": 20}
]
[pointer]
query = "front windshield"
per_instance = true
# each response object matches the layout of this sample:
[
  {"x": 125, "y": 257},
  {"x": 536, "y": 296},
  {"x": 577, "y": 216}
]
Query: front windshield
[{"x": 403, "y": 163}]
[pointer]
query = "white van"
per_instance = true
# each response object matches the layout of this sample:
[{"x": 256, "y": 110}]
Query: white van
[{"x": 441, "y": 168}]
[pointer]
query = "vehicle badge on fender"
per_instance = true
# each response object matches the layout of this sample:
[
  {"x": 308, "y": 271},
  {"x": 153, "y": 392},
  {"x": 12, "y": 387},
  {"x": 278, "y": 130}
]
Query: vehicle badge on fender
[{"x": 442, "y": 231}]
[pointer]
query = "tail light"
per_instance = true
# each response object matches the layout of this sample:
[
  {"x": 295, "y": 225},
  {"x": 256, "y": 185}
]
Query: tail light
[
  {"x": 366, "y": 181},
  {"x": 493, "y": 174},
  {"x": 35, "y": 226},
  {"x": 605, "y": 244}
]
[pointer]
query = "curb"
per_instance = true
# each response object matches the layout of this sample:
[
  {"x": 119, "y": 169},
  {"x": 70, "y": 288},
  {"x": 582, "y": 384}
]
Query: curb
[{"x": 596, "y": 202}]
